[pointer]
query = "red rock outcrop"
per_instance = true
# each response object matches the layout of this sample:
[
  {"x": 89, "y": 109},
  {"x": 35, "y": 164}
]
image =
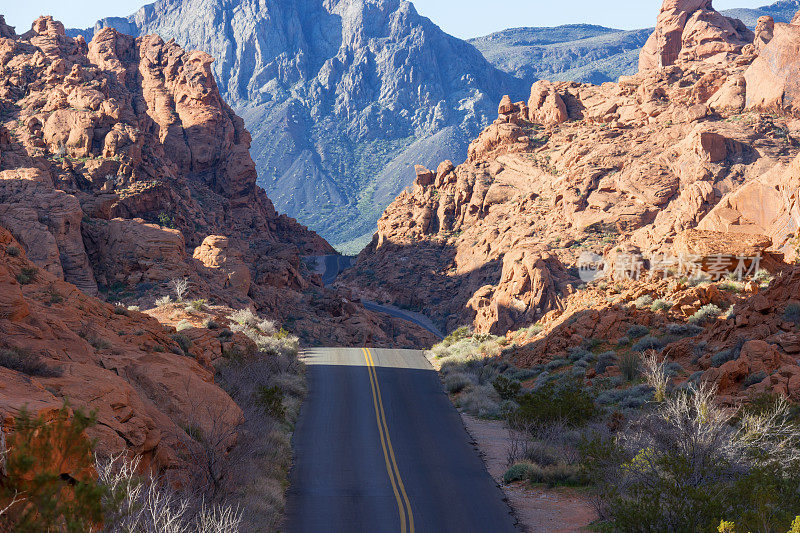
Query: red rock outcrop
[
  {"x": 124, "y": 366},
  {"x": 619, "y": 170},
  {"x": 693, "y": 30},
  {"x": 119, "y": 159},
  {"x": 772, "y": 79}
]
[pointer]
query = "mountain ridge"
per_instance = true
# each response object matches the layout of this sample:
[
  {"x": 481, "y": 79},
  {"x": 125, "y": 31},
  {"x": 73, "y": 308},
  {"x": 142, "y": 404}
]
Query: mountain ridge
[{"x": 327, "y": 91}]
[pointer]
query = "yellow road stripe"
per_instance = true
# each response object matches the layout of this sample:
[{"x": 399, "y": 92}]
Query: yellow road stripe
[
  {"x": 371, "y": 367},
  {"x": 375, "y": 395}
]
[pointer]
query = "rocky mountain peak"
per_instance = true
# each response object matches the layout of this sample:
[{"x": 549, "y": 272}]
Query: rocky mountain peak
[
  {"x": 343, "y": 98},
  {"x": 692, "y": 30}
]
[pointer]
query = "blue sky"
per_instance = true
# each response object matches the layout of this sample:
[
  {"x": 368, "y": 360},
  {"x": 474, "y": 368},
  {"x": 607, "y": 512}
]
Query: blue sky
[{"x": 462, "y": 18}]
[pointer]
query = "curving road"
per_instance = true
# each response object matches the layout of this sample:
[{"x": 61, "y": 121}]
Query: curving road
[{"x": 379, "y": 447}]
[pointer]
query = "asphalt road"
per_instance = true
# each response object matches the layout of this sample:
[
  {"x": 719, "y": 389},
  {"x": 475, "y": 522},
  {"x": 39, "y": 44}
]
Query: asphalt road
[{"x": 379, "y": 447}]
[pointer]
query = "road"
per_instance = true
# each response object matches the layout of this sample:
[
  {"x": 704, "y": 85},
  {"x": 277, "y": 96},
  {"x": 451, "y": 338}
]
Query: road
[
  {"x": 410, "y": 316},
  {"x": 379, "y": 447}
]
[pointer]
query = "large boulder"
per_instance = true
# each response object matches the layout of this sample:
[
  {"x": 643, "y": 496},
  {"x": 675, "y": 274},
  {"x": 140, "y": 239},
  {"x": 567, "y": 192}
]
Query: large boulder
[
  {"x": 692, "y": 30},
  {"x": 773, "y": 80},
  {"x": 530, "y": 286}
]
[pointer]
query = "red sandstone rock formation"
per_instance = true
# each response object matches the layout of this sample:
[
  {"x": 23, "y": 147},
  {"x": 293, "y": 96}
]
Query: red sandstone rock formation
[
  {"x": 620, "y": 170},
  {"x": 119, "y": 161},
  {"x": 123, "y": 366},
  {"x": 693, "y": 30}
]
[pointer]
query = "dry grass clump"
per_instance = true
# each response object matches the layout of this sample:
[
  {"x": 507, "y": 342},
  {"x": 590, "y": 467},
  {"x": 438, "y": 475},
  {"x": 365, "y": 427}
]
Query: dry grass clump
[
  {"x": 269, "y": 386},
  {"x": 144, "y": 504}
]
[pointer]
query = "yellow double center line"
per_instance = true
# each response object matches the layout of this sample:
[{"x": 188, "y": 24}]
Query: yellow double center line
[{"x": 403, "y": 505}]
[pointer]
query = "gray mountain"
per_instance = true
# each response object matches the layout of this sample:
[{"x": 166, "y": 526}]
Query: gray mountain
[
  {"x": 578, "y": 52},
  {"x": 782, "y": 11},
  {"x": 585, "y": 53},
  {"x": 342, "y": 97}
]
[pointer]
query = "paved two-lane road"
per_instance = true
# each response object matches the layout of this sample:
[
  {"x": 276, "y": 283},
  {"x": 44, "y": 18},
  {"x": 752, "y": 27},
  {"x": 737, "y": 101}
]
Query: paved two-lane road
[{"x": 379, "y": 447}]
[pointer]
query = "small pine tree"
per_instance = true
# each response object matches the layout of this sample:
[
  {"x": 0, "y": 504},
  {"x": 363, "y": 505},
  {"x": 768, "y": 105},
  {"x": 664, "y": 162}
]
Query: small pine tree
[{"x": 48, "y": 470}]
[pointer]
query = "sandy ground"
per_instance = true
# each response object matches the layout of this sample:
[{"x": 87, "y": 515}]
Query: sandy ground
[{"x": 557, "y": 510}]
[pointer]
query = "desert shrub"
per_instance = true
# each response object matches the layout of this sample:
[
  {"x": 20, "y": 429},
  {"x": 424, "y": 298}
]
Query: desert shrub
[
  {"x": 180, "y": 286},
  {"x": 245, "y": 317},
  {"x": 163, "y": 301},
  {"x": 271, "y": 400},
  {"x": 183, "y": 325},
  {"x": 120, "y": 309},
  {"x": 566, "y": 401},
  {"x": 581, "y": 354},
  {"x": 27, "y": 275},
  {"x": 519, "y": 472},
  {"x": 458, "y": 334},
  {"x": 647, "y": 343},
  {"x": 210, "y": 323},
  {"x": 655, "y": 373},
  {"x": 629, "y": 365},
  {"x": 623, "y": 341},
  {"x": 267, "y": 327},
  {"x": 755, "y": 377},
  {"x": 720, "y": 358},
  {"x": 643, "y": 301},
  {"x": 763, "y": 278},
  {"x": 143, "y": 504},
  {"x": 27, "y": 363},
  {"x": 37, "y": 492},
  {"x": 456, "y": 382},
  {"x": 732, "y": 286},
  {"x": 673, "y": 368},
  {"x": 705, "y": 314},
  {"x": 638, "y": 330},
  {"x": 604, "y": 361},
  {"x": 197, "y": 305},
  {"x": 507, "y": 388},
  {"x": 556, "y": 364},
  {"x": 12, "y": 251},
  {"x": 560, "y": 473},
  {"x": 686, "y": 463},
  {"x": 661, "y": 305},
  {"x": 684, "y": 330},
  {"x": 480, "y": 400},
  {"x": 792, "y": 313},
  {"x": 184, "y": 342},
  {"x": 134, "y": 308}
]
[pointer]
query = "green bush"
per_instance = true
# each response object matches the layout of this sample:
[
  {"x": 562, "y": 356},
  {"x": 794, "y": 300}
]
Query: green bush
[
  {"x": 661, "y": 305},
  {"x": 644, "y": 301},
  {"x": 647, "y": 342},
  {"x": 630, "y": 365},
  {"x": 49, "y": 497},
  {"x": 688, "y": 463},
  {"x": 792, "y": 313},
  {"x": 271, "y": 400},
  {"x": 27, "y": 275},
  {"x": 637, "y": 330},
  {"x": 12, "y": 251},
  {"x": 557, "y": 401},
  {"x": 184, "y": 342},
  {"x": 507, "y": 388},
  {"x": 456, "y": 382},
  {"x": 560, "y": 473},
  {"x": 26, "y": 363},
  {"x": 519, "y": 472},
  {"x": 705, "y": 314},
  {"x": 197, "y": 305}
]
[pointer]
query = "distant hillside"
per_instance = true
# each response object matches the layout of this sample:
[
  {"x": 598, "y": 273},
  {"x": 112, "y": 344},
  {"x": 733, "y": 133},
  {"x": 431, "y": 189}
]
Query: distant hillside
[
  {"x": 575, "y": 52},
  {"x": 586, "y": 53},
  {"x": 782, "y": 11}
]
